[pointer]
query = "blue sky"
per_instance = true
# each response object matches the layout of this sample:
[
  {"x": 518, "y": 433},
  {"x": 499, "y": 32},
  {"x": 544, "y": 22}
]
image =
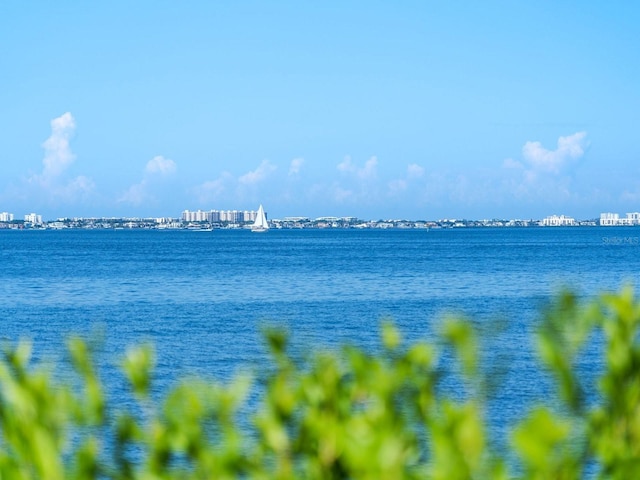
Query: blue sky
[{"x": 417, "y": 110}]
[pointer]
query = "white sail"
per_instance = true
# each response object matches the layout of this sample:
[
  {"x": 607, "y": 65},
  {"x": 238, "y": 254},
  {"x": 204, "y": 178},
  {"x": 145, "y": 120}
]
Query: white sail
[{"x": 260, "y": 225}]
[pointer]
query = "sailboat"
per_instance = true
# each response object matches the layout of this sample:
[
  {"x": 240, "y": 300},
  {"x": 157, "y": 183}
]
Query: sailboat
[{"x": 260, "y": 225}]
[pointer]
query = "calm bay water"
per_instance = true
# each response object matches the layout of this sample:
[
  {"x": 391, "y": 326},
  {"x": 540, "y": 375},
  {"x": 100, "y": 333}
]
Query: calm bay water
[{"x": 201, "y": 297}]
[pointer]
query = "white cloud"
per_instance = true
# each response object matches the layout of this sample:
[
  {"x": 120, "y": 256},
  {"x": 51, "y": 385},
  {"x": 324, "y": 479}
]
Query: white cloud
[
  {"x": 233, "y": 189},
  {"x": 258, "y": 175},
  {"x": 400, "y": 185},
  {"x": 51, "y": 185},
  {"x": 213, "y": 189},
  {"x": 553, "y": 161},
  {"x": 340, "y": 194},
  {"x": 511, "y": 163},
  {"x": 397, "y": 186},
  {"x": 138, "y": 193},
  {"x": 80, "y": 185},
  {"x": 359, "y": 184},
  {"x": 57, "y": 152},
  {"x": 545, "y": 175},
  {"x": 160, "y": 165},
  {"x": 346, "y": 166},
  {"x": 414, "y": 171},
  {"x": 295, "y": 166},
  {"x": 368, "y": 171}
]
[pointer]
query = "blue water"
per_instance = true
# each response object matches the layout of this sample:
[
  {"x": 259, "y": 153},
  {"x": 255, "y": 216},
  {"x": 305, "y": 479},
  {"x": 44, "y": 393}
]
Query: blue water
[{"x": 202, "y": 297}]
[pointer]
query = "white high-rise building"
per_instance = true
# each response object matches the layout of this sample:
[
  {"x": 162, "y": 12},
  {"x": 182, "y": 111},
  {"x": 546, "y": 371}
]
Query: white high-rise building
[
  {"x": 634, "y": 218},
  {"x": 6, "y": 217},
  {"x": 613, "y": 219},
  {"x": 214, "y": 216},
  {"x": 558, "y": 221},
  {"x": 609, "y": 219},
  {"x": 232, "y": 216},
  {"x": 197, "y": 216},
  {"x": 250, "y": 216},
  {"x": 33, "y": 218}
]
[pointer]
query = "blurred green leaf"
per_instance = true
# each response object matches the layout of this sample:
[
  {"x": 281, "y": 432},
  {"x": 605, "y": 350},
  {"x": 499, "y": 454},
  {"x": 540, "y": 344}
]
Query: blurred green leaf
[{"x": 337, "y": 414}]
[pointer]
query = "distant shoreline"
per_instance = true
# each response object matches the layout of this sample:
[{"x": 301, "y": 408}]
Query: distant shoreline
[{"x": 353, "y": 224}]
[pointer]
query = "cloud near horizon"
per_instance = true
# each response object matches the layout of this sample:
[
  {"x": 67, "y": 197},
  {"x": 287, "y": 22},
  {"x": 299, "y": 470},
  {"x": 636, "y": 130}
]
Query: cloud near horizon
[
  {"x": 212, "y": 190},
  {"x": 258, "y": 175},
  {"x": 58, "y": 157},
  {"x": 414, "y": 171},
  {"x": 543, "y": 174},
  {"x": 359, "y": 184},
  {"x": 160, "y": 165},
  {"x": 295, "y": 166},
  {"x": 367, "y": 172},
  {"x": 139, "y": 193},
  {"x": 235, "y": 189},
  {"x": 400, "y": 185},
  {"x": 569, "y": 148}
]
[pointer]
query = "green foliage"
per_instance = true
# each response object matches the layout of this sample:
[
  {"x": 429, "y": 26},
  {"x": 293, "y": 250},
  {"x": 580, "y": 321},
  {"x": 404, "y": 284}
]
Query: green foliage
[{"x": 340, "y": 414}]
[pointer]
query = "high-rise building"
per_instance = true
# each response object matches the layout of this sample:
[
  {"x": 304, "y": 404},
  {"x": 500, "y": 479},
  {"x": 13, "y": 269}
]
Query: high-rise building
[
  {"x": 558, "y": 221},
  {"x": 612, "y": 219},
  {"x": 33, "y": 218},
  {"x": 634, "y": 218},
  {"x": 198, "y": 216},
  {"x": 214, "y": 216}
]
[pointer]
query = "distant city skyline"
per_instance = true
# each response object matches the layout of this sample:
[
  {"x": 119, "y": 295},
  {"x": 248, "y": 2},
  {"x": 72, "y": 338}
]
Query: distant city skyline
[
  {"x": 243, "y": 216},
  {"x": 378, "y": 110}
]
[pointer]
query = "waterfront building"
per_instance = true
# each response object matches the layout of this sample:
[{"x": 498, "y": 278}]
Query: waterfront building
[
  {"x": 33, "y": 218},
  {"x": 613, "y": 219},
  {"x": 250, "y": 216},
  {"x": 215, "y": 216},
  {"x": 609, "y": 219},
  {"x": 235, "y": 216},
  {"x": 197, "y": 216},
  {"x": 6, "y": 217},
  {"x": 558, "y": 221},
  {"x": 634, "y": 218},
  {"x": 225, "y": 215},
  {"x": 189, "y": 216}
]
